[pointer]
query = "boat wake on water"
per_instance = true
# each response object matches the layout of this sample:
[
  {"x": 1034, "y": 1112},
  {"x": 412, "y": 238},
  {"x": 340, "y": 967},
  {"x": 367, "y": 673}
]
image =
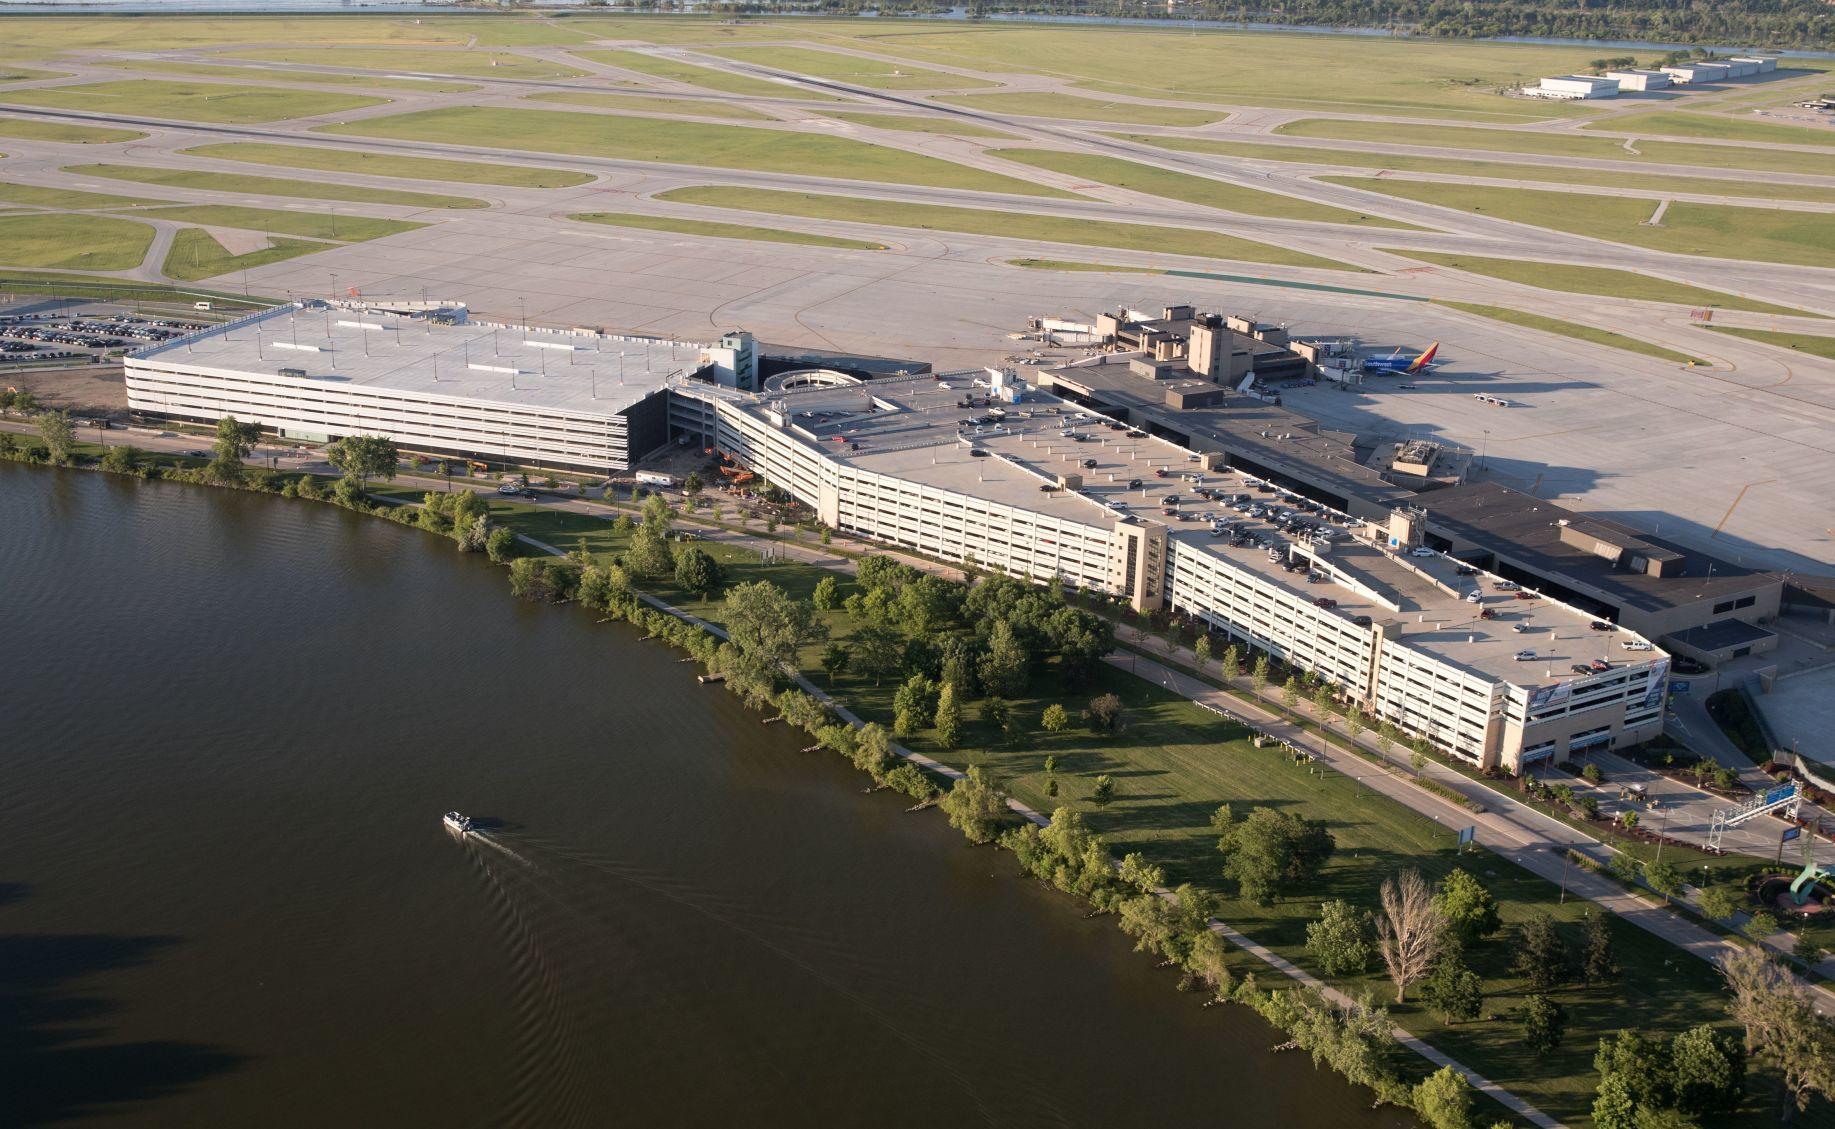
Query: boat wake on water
[{"x": 566, "y": 927}]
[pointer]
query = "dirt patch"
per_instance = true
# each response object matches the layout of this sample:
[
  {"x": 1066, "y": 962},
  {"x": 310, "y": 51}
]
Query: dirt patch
[
  {"x": 239, "y": 242},
  {"x": 100, "y": 387}
]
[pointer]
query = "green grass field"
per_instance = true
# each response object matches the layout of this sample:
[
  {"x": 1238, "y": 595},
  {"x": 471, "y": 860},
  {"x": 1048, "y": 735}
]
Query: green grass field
[
  {"x": 195, "y": 254},
  {"x": 1192, "y": 189},
  {"x": 913, "y": 123},
  {"x": 1571, "y": 329},
  {"x": 1713, "y": 127},
  {"x": 38, "y": 196},
  {"x": 852, "y": 69},
  {"x": 161, "y": 32},
  {"x": 1072, "y": 107},
  {"x": 1812, "y": 344},
  {"x": 725, "y": 230},
  {"x": 1718, "y": 230},
  {"x": 12, "y": 73},
  {"x": 34, "y": 129},
  {"x": 313, "y": 225},
  {"x": 643, "y": 104},
  {"x": 213, "y": 102},
  {"x": 1498, "y": 170},
  {"x": 1564, "y": 144},
  {"x": 211, "y": 70},
  {"x": 470, "y": 64},
  {"x": 272, "y": 186},
  {"x": 705, "y": 144},
  {"x": 1012, "y": 225},
  {"x": 1596, "y": 280},
  {"x": 322, "y": 159},
  {"x": 55, "y": 241},
  {"x": 1068, "y": 265},
  {"x": 705, "y": 77}
]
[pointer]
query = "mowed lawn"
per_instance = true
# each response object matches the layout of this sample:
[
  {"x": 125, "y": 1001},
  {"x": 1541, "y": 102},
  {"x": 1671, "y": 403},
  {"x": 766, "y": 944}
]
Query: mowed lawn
[
  {"x": 62, "y": 241},
  {"x": 704, "y": 144},
  {"x": 34, "y": 129},
  {"x": 1009, "y": 225},
  {"x": 272, "y": 186},
  {"x": 1718, "y": 230},
  {"x": 1714, "y": 126},
  {"x": 1564, "y": 327},
  {"x": 325, "y": 78},
  {"x": 648, "y": 104},
  {"x": 709, "y": 78},
  {"x": 215, "y": 102},
  {"x": 1040, "y": 104},
  {"x": 916, "y": 123},
  {"x": 196, "y": 254},
  {"x": 853, "y": 69},
  {"x": 724, "y": 230},
  {"x": 325, "y": 159},
  {"x": 38, "y": 196},
  {"x": 472, "y": 64},
  {"x": 1810, "y": 343},
  {"x": 1595, "y": 280},
  {"x": 1563, "y": 144},
  {"x": 1175, "y": 764},
  {"x": 1497, "y": 170},
  {"x": 313, "y": 225},
  {"x": 1190, "y": 188},
  {"x": 163, "y": 32}
]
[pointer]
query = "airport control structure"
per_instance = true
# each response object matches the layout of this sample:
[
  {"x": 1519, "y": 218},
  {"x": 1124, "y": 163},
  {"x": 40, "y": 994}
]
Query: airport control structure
[{"x": 1503, "y": 629}]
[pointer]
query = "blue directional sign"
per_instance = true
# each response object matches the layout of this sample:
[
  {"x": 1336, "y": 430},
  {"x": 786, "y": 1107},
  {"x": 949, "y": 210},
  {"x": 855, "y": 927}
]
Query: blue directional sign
[
  {"x": 1467, "y": 834},
  {"x": 1678, "y": 686},
  {"x": 1789, "y": 834}
]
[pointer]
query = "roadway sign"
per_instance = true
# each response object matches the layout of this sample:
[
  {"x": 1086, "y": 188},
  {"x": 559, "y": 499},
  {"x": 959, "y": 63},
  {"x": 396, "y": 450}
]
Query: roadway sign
[
  {"x": 1678, "y": 687},
  {"x": 1789, "y": 834},
  {"x": 1467, "y": 834}
]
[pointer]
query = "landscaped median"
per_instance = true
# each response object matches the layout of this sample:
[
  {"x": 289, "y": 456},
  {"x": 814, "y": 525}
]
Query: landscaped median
[
  {"x": 1606, "y": 282},
  {"x": 1572, "y": 329},
  {"x": 211, "y": 181},
  {"x": 724, "y": 230},
  {"x": 1008, "y": 225},
  {"x": 1140, "y": 773},
  {"x": 327, "y": 159}
]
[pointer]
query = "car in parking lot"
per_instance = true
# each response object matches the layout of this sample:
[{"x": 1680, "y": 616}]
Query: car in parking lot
[
  {"x": 1581, "y": 668},
  {"x": 1637, "y": 645},
  {"x": 1599, "y": 666},
  {"x": 1525, "y": 656},
  {"x": 1421, "y": 551},
  {"x": 1521, "y": 628},
  {"x": 1601, "y": 625}
]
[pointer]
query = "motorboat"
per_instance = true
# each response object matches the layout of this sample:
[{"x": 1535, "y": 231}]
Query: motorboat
[{"x": 456, "y": 823}]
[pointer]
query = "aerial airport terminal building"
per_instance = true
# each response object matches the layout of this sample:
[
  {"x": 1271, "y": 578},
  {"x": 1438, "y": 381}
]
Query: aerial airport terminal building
[{"x": 979, "y": 466}]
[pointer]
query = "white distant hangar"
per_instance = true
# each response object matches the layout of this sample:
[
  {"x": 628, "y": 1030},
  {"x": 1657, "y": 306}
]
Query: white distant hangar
[{"x": 1578, "y": 86}]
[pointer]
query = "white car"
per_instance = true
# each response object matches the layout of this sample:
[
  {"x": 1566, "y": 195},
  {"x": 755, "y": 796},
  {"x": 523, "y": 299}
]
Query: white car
[
  {"x": 1421, "y": 551},
  {"x": 1637, "y": 645},
  {"x": 1525, "y": 656}
]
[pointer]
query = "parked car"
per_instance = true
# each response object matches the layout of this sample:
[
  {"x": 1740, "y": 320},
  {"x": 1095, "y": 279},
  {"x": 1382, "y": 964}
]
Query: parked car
[
  {"x": 1601, "y": 625},
  {"x": 1525, "y": 656},
  {"x": 1487, "y": 613},
  {"x": 1581, "y": 668},
  {"x": 1421, "y": 551},
  {"x": 1599, "y": 666},
  {"x": 1520, "y": 628},
  {"x": 1637, "y": 645}
]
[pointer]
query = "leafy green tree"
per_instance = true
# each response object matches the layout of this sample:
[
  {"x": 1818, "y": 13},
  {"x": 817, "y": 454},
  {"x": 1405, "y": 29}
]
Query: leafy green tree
[
  {"x": 835, "y": 658},
  {"x": 1055, "y": 719},
  {"x": 1469, "y": 908},
  {"x": 649, "y": 555},
  {"x": 1003, "y": 669},
  {"x": 622, "y": 525},
  {"x": 1231, "y": 666},
  {"x": 1103, "y": 791},
  {"x": 1598, "y": 964},
  {"x": 696, "y": 571},
  {"x": 1541, "y": 954},
  {"x": 1444, "y": 1099},
  {"x": 1761, "y": 925},
  {"x": 1104, "y": 714},
  {"x": 872, "y": 750},
  {"x": 122, "y": 459},
  {"x": 1322, "y": 704},
  {"x": 878, "y": 652},
  {"x": 1642, "y": 1065},
  {"x": 1613, "y": 1106},
  {"x": 1452, "y": 990},
  {"x": 1258, "y": 674},
  {"x": 767, "y": 627},
  {"x": 1625, "y": 867},
  {"x": 1784, "y": 1033},
  {"x": 996, "y": 714},
  {"x": 59, "y": 436},
  {"x": 1709, "y": 1069},
  {"x": 1544, "y": 1024},
  {"x": 1272, "y": 850},
  {"x": 1807, "y": 950},
  {"x": 363, "y": 457},
  {"x": 656, "y": 514},
  {"x": 1290, "y": 692},
  {"x": 1201, "y": 651},
  {"x": 1137, "y": 872},
  {"x": 497, "y": 545},
  {"x": 949, "y": 717},
  {"x": 827, "y": 594},
  {"x": 1340, "y": 939},
  {"x": 472, "y": 536},
  {"x": 692, "y": 485},
  {"x": 976, "y": 806},
  {"x": 917, "y": 698},
  {"x": 234, "y": 441},
  {"x": 1664, "y": 879}
]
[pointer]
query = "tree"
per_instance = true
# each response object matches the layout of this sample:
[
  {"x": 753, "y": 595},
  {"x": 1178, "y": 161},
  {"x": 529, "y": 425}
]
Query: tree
[
  {"x": 1597, "y": 964},
  {"x": 1055, "y": 719},
  {"x": 949, "y": 717},
  {"x": 1201, "y": 651},
  {"x": 1783, "y": 1031},
  {"x": 1231, "y": 667},
  {"x": 976, "y": 806},
  {"x": 1104, "y": 714},
  {"x": 1322, "y": 704},
  {"x": 656, "y": 514},
  {"x": 473, "y": 535},
  {"x": 121, "y": 459},
  {"x": 1340, "y": 939},
  {"x": 1207, "y": 960},
  {"x": 1709, "y": 1068},
  {"x": 1454, "y": 991},
  {"x": 1353, "y": 724},
  {"x": 1137, "y": 872},
  {"x": 234, "y": 441},
  {"x": 1625, "y": 867},
  {"x": 914, "y": 704},
  {"x": 997, "y": 715},
  {"x": 649, "y": 555},
  {"x": 835, "y": 658},
  {"x": 696, "y": 571},
  {"x": 60, "y": 438},
  {"x": 1807, "y": 950},
  {"x": 498, "y": 544},
  {"x": 878, "y": 652},
  {"x": 827, "y": 594},
  {"x": 1444, "y": 1099},
  {"x": 1258, "y": 674},
  {"x": 1274, "y": 849},
  {"x": 1003, "y": 668},
  {"x": 1469, "y": 909},
  {"x": 1103, "y": 791},
  {"x": 1541, "y": 953},
  {"x": 1290, "y": 692},
  {"x": 692, "y": 485},
  {"x": 1411, "y": 932},
  {"x": 622, "y": 525},
  {"x": 1613, "y": 1107},
  {"x": 1641, "y": 1064},
  {"x": 363, "y": 457},
  {"x": 1761, "y": 925},
  {"x": 767, "y": 627},
  {"x": 1664, "y": 879},
  {"x": 1544, "y": 1024}
]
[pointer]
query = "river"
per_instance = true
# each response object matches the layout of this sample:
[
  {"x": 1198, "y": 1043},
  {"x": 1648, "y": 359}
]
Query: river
[{"x": 230, "y": 726}]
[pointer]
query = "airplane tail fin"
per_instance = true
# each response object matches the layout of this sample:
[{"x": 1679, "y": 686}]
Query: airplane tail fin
[{"x": 1424, "y": 359}]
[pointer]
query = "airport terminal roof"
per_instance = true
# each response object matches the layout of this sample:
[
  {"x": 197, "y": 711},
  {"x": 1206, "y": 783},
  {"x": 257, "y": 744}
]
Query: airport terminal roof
[
  {"x": 401, "y": 350},
  {"x": 1527, "y": 530}
]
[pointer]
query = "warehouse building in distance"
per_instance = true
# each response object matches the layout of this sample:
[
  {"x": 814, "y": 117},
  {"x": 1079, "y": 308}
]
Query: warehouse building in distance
[
  {"x": 434, "y": 381},
  {"x": 1573, "y": 86},
  {"x": 1638, "y": 80}
]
